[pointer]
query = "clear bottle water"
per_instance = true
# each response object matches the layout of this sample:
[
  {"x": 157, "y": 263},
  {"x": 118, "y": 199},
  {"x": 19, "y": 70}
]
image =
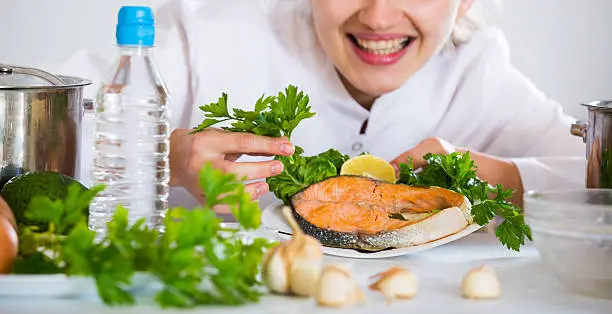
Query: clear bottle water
[{"x": 131, "y": 143}]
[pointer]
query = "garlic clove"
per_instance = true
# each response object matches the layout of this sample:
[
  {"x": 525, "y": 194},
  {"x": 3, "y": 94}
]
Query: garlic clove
[
  {"x": 274, "y": 271},
  {"x": 304, "y": 247},
  {"x": 396, "y": 283},
  {"x": 337, "y": 288},
  {"x": 294, "y": 267},
  {"x": 333, "y": 289},
  {"x": 481, "y": 283},
  {"x": 305, "y": 254},
  {"x": 304, "y": 275}
]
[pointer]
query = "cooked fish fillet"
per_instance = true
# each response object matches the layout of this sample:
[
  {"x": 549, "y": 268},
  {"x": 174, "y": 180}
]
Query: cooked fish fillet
[{"x": 362, "y": 213}]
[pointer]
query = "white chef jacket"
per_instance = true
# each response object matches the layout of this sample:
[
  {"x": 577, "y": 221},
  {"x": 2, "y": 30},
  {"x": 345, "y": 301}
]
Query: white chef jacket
[{"x": 469, "y": 95}]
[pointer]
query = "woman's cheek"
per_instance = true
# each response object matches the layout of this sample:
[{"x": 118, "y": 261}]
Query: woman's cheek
[{"x": 436, "y": 21}]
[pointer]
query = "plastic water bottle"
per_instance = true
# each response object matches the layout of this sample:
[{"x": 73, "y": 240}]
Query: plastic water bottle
[{"x": 131, "y": 141}]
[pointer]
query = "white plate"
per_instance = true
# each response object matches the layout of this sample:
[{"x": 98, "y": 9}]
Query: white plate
[
  {"x": 56, "y": 285},
  {"x": 272, "y": 217}
]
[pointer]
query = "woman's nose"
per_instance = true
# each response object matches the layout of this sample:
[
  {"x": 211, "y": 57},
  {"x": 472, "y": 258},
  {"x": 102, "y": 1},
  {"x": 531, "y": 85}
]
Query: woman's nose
[{"x": 380, "y": 15}]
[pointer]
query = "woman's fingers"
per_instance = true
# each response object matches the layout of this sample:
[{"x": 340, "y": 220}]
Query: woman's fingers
[
  {"x": 221, "y": 148},
  {"x": 257, "y": 189},
  {"x": 253, "y": 170},
  {"x": 246, "y": 143}
]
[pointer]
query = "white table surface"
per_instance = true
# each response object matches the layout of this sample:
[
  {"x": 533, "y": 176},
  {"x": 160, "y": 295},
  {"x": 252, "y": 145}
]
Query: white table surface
[{"x": 527, "y": 287}]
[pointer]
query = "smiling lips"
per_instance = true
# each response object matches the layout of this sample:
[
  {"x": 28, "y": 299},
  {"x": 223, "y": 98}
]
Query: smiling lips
[{"x": 377, "y": 49}]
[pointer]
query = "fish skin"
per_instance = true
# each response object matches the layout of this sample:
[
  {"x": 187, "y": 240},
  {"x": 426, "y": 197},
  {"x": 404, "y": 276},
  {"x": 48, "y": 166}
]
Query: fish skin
[
  {"x": 455, "y": 219},
  {"x": 325, "y": 236}
]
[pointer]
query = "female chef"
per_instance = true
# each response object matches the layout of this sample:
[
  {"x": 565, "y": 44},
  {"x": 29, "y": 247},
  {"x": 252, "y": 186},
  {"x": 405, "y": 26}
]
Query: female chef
[{"x": 395, "y": 78}]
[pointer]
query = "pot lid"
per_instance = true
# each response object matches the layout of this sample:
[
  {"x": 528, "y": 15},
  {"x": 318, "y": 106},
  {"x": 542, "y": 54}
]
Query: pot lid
[
  {"x": 12, "y": 76},
  {"x": 599, "y": 104}
]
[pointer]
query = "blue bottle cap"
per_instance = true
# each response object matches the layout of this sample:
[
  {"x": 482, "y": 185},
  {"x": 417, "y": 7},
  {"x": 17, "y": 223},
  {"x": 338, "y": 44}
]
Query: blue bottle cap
[{"x": 135, "y": 26}]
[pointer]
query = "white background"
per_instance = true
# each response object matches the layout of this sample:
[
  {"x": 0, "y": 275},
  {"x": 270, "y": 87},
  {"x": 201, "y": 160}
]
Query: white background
[{"x": 564, "y": 46}]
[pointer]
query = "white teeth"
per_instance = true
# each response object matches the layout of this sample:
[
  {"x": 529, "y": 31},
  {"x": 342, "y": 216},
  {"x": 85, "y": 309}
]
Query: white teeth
[
  {"x": 382, "y": 47},
  {"x": 385, "y": 51}
]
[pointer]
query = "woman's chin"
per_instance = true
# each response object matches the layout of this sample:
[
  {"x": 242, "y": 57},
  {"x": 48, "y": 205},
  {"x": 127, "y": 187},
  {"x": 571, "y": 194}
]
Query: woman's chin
[
  {"x": 377, "y": 87},
  {"x": 365, "y": 83}
]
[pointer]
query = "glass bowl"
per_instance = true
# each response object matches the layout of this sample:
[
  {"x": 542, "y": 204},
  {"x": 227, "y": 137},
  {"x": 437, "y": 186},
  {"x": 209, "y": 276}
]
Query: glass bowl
[{"x": 572, "y": 231}]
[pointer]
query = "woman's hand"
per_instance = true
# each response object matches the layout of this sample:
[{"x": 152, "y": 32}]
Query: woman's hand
[
  {"x": 432, "y": 145},
  {"x": 189, "y": 153},
  {"x": 492, "y": 169}
]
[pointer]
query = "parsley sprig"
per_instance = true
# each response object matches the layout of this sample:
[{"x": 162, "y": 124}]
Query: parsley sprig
[
  {"x": 301, "y": 171},
  {"x": 195, "y": 259},
  {"x": 273, "y": 116},
  {"x": 457, "y": 172},
  {"x": 277, "y": 116},
  {"x": 40, "y": 249}
]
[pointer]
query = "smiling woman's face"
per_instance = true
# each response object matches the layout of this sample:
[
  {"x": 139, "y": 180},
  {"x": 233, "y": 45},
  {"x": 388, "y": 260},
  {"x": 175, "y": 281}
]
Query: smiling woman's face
[{"x": 377, "y": 45}]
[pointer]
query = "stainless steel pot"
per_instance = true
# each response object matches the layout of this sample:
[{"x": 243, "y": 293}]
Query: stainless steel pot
[
  {"x": 597, "y": 134},
  {"x": 40, "y": 121}
]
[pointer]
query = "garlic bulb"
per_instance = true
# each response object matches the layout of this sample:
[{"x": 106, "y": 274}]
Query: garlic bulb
[
  {"x": 396, "y": 283},
  {"x": 294, "y": 266},
  {"x": 337, "y": 288},
  {"x": 480, "y": 283}
]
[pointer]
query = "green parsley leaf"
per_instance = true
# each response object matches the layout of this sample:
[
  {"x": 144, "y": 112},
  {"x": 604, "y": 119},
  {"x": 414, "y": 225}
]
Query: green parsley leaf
[
  {"x": 35, "y": 264},
  {"x": 273, "y": 116},
  {"x": 333, "y": 156},
  {"x": 513, "y": 230},
  {"x": 484, "y": 212},
  {"x": 218, "y": 109},
  {"x": 406, "y": 173},
  {"x": 60, "y": 216},
  {"x": 299, "y": 172},
  {"x": 457, "y": 172}
]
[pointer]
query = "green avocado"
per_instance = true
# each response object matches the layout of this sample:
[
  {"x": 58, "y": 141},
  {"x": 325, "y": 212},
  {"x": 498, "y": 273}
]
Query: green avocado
[{"x": 21, "y": 189}]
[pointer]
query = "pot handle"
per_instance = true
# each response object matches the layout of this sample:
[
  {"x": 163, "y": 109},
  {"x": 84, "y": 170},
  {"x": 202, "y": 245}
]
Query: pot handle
[
  {"x": 87, "y": 132},
  {"x": 579, "y": 128},
  {"x": 88, "y": 106},
  {"x": 10, "y": 69}
]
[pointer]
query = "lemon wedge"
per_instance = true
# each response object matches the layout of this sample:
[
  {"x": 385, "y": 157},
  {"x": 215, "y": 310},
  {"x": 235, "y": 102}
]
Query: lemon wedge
[{"x": 369, "y": 166}]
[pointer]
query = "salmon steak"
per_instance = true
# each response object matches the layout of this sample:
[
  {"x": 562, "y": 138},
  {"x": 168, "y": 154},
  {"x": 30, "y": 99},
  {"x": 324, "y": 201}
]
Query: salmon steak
[{"x": 356, "y": 212}]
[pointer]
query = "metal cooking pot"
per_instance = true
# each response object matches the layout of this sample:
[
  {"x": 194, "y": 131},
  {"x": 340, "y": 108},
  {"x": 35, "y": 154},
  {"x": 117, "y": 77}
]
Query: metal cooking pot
[
  {"x": 40, "y": 121},
  {"x": 597, "y": 134}
]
